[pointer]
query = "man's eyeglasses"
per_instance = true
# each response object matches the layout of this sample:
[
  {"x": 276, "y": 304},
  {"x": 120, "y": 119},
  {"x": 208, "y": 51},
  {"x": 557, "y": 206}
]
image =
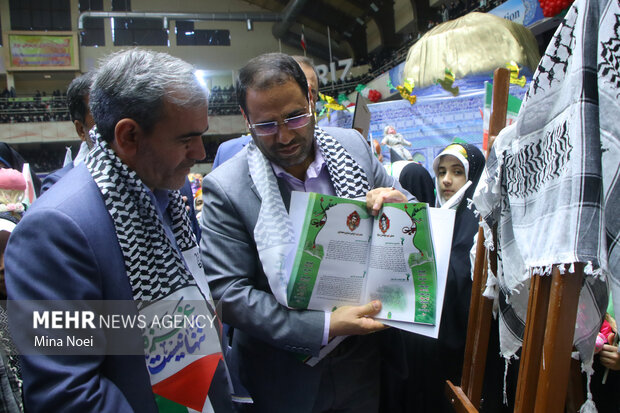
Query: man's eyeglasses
[{"x": 271, "y": 128}]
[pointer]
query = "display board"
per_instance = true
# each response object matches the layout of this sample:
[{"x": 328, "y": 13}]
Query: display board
[
  {"x": 30, "y": 51},
  {"x": 433, "y": 122}
]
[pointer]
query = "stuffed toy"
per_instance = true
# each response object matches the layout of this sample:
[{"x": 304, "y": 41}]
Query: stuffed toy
[
  {"x": 605, "y": 336},
  {"x": 12, "y": 187}
]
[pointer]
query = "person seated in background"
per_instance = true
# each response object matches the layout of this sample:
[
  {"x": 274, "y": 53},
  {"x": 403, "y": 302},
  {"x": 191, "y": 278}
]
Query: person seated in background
[{"x": 397, "y": 143}]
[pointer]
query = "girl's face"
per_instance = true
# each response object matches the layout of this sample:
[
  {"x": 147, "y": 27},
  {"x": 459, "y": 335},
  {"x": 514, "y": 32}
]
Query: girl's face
[{"x": 450, "y": 176}]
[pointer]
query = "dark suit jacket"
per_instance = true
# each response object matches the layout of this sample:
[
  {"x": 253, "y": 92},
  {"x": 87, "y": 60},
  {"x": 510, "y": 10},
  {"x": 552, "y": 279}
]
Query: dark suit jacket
[
  {"x": 55, "y": 176},
  {"x": 268, "y": 337},
  {"x": 230, "y": 148},
  {"x": 65, "y": 248},
  {"x": 52, "y": 178}
]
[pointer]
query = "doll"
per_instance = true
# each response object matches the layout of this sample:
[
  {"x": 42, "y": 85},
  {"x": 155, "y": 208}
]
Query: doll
[
  {"x": 12, "y": 187},
  {"x": 396, "y": 141}
]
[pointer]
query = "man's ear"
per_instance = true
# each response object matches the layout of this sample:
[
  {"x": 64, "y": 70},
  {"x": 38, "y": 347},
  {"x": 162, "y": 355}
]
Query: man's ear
[
  {"x": 312, "y": 100},
  {"x": 80, "y": 130},
  {"x": 247, "y": 122},
  {"x": 127, "y": 134}
]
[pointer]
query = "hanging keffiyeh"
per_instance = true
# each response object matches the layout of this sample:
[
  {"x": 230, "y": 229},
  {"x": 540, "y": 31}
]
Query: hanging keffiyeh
[
  {"x": 552, "y": 183},
  {"x": 187, "y": 367}
]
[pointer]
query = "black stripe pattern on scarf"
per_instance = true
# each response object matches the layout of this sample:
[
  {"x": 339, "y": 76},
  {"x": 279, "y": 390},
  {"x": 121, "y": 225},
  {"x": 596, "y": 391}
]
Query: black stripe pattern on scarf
[
  {"x": 154, "y": 266},
  {"x": 348, "y": 178}
]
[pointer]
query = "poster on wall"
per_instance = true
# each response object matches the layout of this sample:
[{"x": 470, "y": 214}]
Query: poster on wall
[
  {"x": 430, "y": 124},
  {"x": 41, "y": 51},
  {"x": 525, "y": 12},
  {"x": 433, "y": 122}
]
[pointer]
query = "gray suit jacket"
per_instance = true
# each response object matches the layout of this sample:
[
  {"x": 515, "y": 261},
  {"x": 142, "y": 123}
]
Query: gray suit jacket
[{"x": 268, "y": 336}]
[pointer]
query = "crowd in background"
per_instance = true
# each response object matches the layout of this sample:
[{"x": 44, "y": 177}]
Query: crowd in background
[
  {"x": 222, "y": 100},
  {"x": 384, "y": 59},
  {"x": 38, "y": 108},
  {"x": 41, "y": 108},
  {"x": 455, "y": 9}
]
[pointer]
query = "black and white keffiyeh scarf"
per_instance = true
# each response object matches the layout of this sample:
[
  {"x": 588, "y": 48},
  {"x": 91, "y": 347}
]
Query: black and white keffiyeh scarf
[
  {"x": 159, "y": 278},
  {"x": 552, "y": 179},
  {"x": 274, "y": 231},
  {"x": 154, "y": 266},
  {"x": 348, "y": 178}
]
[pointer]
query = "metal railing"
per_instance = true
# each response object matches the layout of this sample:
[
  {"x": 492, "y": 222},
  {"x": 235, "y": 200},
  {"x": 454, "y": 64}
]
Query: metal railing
[{"x": 54, "y": 108}]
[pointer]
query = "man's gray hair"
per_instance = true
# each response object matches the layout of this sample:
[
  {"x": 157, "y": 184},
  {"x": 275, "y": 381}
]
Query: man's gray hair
[
  {"x": 304, "y": 60},
  {"x": 136, "y": 83}
]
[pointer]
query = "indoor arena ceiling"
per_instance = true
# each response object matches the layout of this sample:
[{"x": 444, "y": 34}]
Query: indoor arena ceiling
[{"x": 346, "y": 19}]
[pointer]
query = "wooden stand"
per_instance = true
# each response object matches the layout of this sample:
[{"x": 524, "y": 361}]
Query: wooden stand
[
  {"x": 550, "y": 324},
  {"x": 548, "y": 342}
]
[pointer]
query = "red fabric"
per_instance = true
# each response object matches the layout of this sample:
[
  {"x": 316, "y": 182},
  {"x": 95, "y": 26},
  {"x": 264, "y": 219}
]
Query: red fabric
[
  {"x": 190, "y": 386},
  {"x": 551, "y": 8},
  {"x": 374, "y": 95}
]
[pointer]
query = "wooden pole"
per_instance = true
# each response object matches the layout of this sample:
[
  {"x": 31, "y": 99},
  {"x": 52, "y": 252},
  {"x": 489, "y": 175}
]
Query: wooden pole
[
  {"x": 480, "y": 311},
  {"x": 558, "y": 341},
  {"x": 533, "y": 337}
]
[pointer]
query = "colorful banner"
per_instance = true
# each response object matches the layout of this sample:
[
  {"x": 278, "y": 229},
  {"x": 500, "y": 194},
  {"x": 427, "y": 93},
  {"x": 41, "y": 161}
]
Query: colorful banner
[
  {"x": 433, "y": 122},
  {"x": 42, "y": 51},
  {"x": 525, "y": 12}
]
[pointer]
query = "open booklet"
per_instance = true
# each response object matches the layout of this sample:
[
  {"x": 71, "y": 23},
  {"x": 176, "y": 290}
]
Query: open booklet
[{"x": 345, "y": 256}]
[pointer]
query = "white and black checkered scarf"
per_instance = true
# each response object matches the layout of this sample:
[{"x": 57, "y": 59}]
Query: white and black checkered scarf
[
  {"x": 154, "y": 266},
  {"x": 274, "y": 231}
]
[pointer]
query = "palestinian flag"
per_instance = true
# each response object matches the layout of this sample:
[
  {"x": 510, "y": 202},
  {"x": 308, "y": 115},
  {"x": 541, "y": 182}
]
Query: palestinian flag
[{"x": 183, "y": 354}]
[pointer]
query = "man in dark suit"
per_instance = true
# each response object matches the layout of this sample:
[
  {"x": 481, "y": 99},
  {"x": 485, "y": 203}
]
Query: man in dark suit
[
  {"x": 244, "y": 219},
  {"x": 77, "y": 102},
  {"x": 116, "y": 228}
]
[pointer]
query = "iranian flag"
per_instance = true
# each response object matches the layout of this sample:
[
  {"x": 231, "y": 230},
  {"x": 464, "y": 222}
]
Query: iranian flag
[{"x": 303, "y": 38}]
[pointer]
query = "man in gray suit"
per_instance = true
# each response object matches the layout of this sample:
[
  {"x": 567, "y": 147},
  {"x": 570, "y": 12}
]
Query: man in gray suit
[{"x": 246, "y": 230}]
